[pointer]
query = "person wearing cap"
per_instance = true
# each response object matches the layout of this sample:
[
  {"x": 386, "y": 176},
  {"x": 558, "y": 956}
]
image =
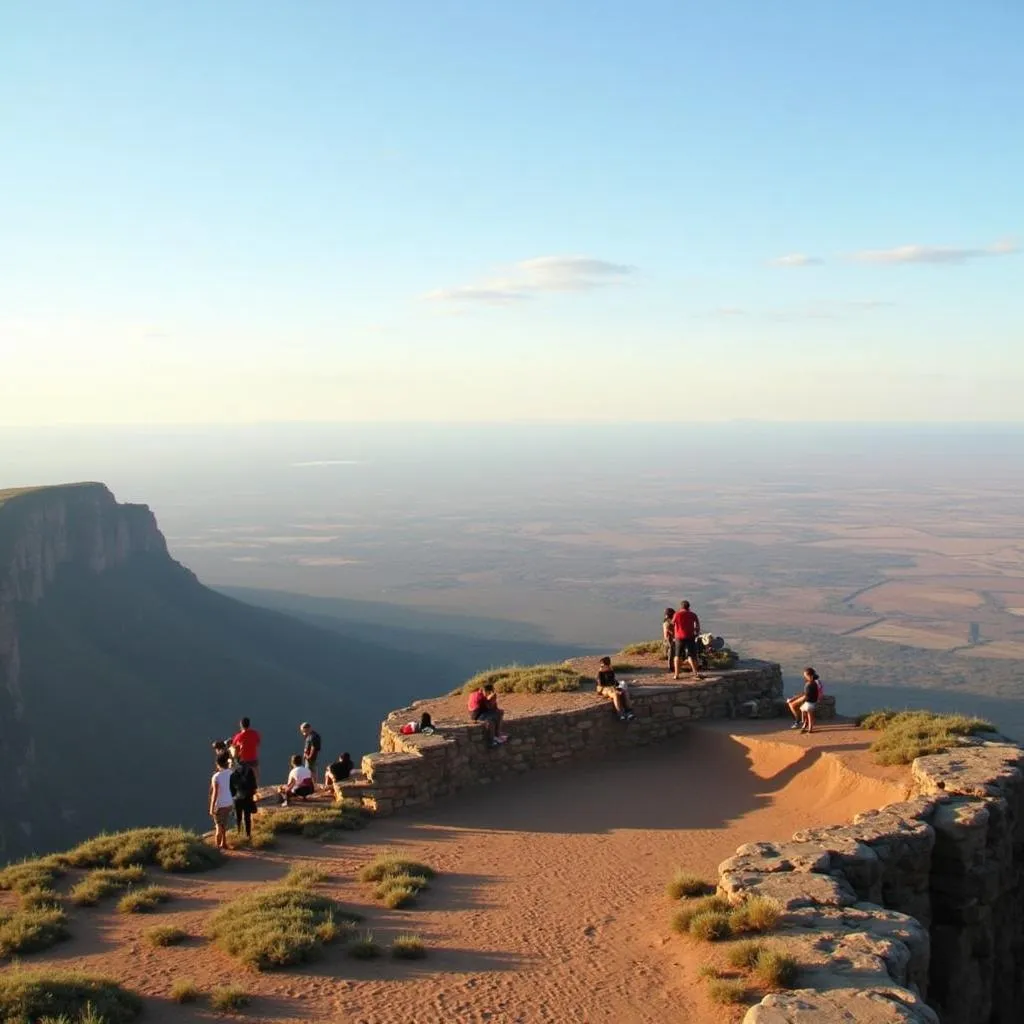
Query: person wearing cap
[{"x": 311, "y": 751}]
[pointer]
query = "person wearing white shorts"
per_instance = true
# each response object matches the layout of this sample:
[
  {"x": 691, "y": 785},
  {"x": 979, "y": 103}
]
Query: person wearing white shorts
[{"x": 805, "y": 704}]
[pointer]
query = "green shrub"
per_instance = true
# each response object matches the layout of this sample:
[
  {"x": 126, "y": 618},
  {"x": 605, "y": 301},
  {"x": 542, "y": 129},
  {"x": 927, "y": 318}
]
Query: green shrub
[
  {"x": 30, "y": 875},
  {"x": 644, "y": 647},
  {"x": 144, "y": 900},
  {"x": 31, "y": 930},
  {"x": 727, "y": 991},
  {"x": 184, "y": 990},
  {"x": 743, "y": 955},
  {"x": 408, "y": 947},
  {"x": 104, "y": 882},
  {"x": 305, "y": 876},
  {"x": 906, "y": 735},
  {"x": 710, "y": 926},
  {"x": 755, "y": 915},
  {"x": 691, "y": 908},
  {"x": 309, "y": 822},
  {"x": 723, "y": 659},
  {"x": 40, "y": 899},
  {"x": 278, "y": 927},
  {"x": 775, "y": 969},
  {"x": 363, "y": 947},
  {"x": 384, "y": 865},
  {"x": 229, "y": 999},
  {"x": 28, "y": 996},
  {"x": 684, "y": 883},
  {"x": 173, "y": 849},
  {"x": 527, "y": 679},
  {"x": 165, "y": 935}
]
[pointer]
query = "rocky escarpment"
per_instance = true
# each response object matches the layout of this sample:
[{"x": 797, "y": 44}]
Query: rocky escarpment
[{"x": 41, "y": 530}]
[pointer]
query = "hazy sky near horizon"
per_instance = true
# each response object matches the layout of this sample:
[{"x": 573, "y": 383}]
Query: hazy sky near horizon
[{"x": 462, "y": 210}]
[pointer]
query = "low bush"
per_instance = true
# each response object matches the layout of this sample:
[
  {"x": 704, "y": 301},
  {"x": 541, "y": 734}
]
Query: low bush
[
  {"x": 185, "y": 990},
  {"x": 309, "y": 822},
  {"x": 104, "y": 882},
  {"x": 304, "y": 876},
  {"x": 775, "y": 969},
  {"x": 31, "y": 875},
  {"x": 279, "y": 926},
  {"x": 173, "y": 849},
  {"x": 691, "y": 908},
  {"x": 645, "y": 647},
  {"x": 384, "y": 865},
  {"x": 144, "y": 900},
  {"x": 755, "y": 915},
  {"x": 408, "y": 947},
  {"x": 165, "y": 935},
  {"x": 684, "y": 883},
  {"x": 31, "y": 930},
  {"x": 743, "y": 955},
  {"x": 723, "y": 659},
  {"x": 527, "y": 679},
  {"x": 906, "y": 735},
  {"x": 28, "y": 996},
  {"x": 710, "y": 926},
  {"x": 229, "y": 999},
  {"x": 708, "y": 971},
  {"x": 364, "y": 947},
  {"x": 40, "y": 899},
  {"x": 727, "y": 991}
]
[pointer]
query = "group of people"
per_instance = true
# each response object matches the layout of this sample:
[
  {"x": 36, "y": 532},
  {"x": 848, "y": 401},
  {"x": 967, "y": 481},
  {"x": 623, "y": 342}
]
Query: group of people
[
  {"x": 235, "y": 781},
  {"x": 680, "y": 630}
]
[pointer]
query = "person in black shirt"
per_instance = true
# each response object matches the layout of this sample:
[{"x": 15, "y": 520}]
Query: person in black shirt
[
  {"x": 311, "y": 751},
  {"x": 803, "y": 705},
  {"x": 338, "y": 772},
  {"x": 243, "y": 791},
  {"x": 609, "y": 686}
]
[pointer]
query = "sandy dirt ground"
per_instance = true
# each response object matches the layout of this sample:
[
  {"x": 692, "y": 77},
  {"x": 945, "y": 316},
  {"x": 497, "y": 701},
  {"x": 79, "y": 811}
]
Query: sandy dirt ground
[{"x": 550, "y": 902}]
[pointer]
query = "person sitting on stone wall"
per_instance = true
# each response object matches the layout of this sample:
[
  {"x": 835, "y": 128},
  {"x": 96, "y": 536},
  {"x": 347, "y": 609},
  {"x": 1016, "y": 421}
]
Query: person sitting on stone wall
[
  {"x": 300, "y": 781},
  {"x": 618, "y": 693},
  {"x": 483, "y": 707},
  {"x": 337, "y": 772},
  {"x": 803, "y": 705}
]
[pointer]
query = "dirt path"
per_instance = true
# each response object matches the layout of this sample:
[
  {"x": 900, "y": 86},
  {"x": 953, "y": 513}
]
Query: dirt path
[{"x": 550, "y": 904}]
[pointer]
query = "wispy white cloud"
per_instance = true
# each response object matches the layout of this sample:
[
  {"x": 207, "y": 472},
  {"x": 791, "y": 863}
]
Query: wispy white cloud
[
  {"x": 535, "y": 276},
  {"x": 796, "y": 259},
  {"x": 933, "y": 253},
  {"x": 823, "y": 310}
]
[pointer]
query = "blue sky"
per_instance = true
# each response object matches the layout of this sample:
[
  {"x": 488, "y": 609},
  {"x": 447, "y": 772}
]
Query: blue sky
[{"x": 541, "y": 210}]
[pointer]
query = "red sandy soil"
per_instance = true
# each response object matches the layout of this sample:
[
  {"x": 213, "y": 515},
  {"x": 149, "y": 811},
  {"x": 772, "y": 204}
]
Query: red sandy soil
[{"x": 550, "y": 902}]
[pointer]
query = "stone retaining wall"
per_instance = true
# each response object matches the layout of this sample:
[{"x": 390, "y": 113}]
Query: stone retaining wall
[
  {"x": 911, "y": 909},
  {"x": 416, "y": 769}
]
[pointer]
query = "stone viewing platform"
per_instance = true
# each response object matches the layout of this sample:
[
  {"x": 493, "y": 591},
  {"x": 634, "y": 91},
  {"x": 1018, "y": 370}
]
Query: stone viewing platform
[{"x": 547, "y": 729}]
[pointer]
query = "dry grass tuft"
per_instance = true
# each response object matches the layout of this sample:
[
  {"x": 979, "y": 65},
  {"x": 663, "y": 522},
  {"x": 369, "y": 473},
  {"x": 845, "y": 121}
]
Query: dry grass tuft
[
  {"x": 386, "y": 865},
  {"x": 645, "y": 647},
  {"x": 173, "y": 849},
  {"x": 710, "y": 926},
  {"x": 527, "y": 679},
  {"x": 708, "y": 971},
  {"x": 144, "y": 900},
  {"x": 185, "y": 990},
  {"x": 104, "y": 882},
  {"x": 364, "y": 947},
  {"x": 906, "y": 735},
  {"x": 691, "y": 908},
  {"x": 743, "y": 955},
  {"x": 278, "y": 927},
  {"x": 408, "y": 947},
  {"x": 684, "y": 883},
  {"x": 165, "y": 935},
  {"x": 756, "y": 915},
  {"x": 30, "y": 996},
  {"x": 324, "y": 823},
  {"x": 30, "y": 875},
  {"x": 727, "y": 991},
  {"x": 304, "y": 876},
  {"x": 31, "y": 930},
  {"x": 775, "y": 969},
  {"x": 229, "y": 999}
]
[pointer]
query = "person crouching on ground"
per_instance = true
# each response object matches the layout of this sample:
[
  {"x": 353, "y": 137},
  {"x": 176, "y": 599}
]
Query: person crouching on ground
[
  {"x": 618, "y": 693},
  {"x": 300, "y": 781},
  {"x": 337, "y": 772},
  {"x": 483, "y": 707},
  {"x": 221, "y": 800},
  {"x": 803, "y": 705}
]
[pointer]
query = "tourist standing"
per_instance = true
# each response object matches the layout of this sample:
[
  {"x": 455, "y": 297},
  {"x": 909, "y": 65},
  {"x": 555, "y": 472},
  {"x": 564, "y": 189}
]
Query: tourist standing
[
  {"x": 221, "y": 800},
  {"x": 668, "y": 636},
  {"x": 311, "y": 751},
  {"x": 247, "y": 747},
  {"x": 686, "y": 627}
]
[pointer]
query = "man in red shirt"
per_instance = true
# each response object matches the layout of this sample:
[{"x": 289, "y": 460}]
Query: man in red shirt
[
  {"x": 247, "y": 747},
  {"x": 686, "y": 627},
  {"x": 483, "y": 707}
]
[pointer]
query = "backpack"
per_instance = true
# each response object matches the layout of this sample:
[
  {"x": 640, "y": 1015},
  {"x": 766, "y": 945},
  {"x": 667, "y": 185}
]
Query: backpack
[{"x": 242, "y": 782}]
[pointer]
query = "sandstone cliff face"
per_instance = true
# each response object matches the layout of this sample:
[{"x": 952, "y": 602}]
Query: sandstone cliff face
[{"x": 40, "y": 531}]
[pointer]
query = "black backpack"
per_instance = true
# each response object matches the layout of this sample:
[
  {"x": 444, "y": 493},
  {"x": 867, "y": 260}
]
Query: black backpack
[{"x": 243, "y": 782}]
